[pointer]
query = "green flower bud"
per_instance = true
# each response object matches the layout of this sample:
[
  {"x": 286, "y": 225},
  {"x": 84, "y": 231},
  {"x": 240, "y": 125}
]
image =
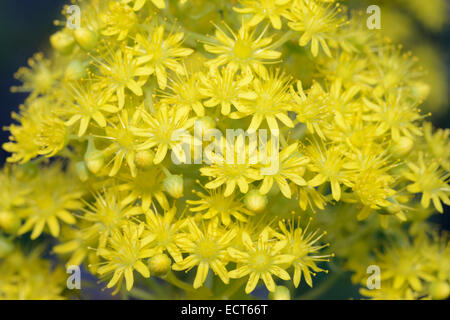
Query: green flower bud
[
  {"x": 206, "y": 123},
  {"x": 255, "y": 201},
  {"x": 144, "y": 159},
  {"x": 63, "y": 42},
  {"x": 173, "y": 184},
  {"x": 403, "y": 146},
  {"x": 439, "y": 290},
  {"x": 280, "y": 293},
  {"x": 75, "y": 70},
  {"x": 9, "y": 222},
  {"x": 420, "y": 90},
  {"x": 94, "y": 159},
  {"x": 82, "y": 171},
  {"x": 159, "y": 265},
  {"x": 85, "y": 38}
]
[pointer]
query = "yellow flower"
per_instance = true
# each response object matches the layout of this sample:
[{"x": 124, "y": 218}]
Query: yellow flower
[
  {"x": 158, "y": 53},
  {"x": 225, "y": 88},
  {"x": 72, "y": 242},
  {"x": 54, "y": 198},
  {"x": 106, "y": 215},
  {"x": 243, "y": 51},
  {"x": 429, "y": 180},
  {"x": 265, "y": 9},
  {"x": 233, "y": 167},
  {"x": 310, "y": 197},
  {"x": 393, "y": 69},
  {"x": 123, "y": 143},
  {"x": 40, "y": 131},
  {"x": 16, "y": 186},
  {"x": 312, "y": 109},
  {"x": 206, "y": 249},
  {"x": 166, "y": 229},
  {"x": 260, "y": 260},
  {"x": 21, "y": 143},
  {"x": 303, "y": 246},
  {"x": 124, "y": 253},
  {"x": 30, "y": 277},
  {"x": 88, "y": 102},
  {"x": 120, "y": 70},
  {"x": 272, "y": 103},
  {"x": 39, "y": 79},
  {"x": 120, "y": 19},
  {"x": 394, "y": 114},
  {"x": 316, "y": 22},
  {"x": 147, "y": 186},
  {"x": 185, "y": 93},
  {"x": 327, "y": 161},
  {"x": 439, "y": 144},
  {"x": 215, "y": 203},
  {"x": 404, "y": 265},
  {"x": 291, "y": 167},
  {"x": 165, "y": 129}
]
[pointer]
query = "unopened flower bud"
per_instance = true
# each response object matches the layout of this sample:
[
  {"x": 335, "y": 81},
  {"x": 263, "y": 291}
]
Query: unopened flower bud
[
  {"x": 439, "y": 290},
  {"x": 9, "y": 222},
  {"x": 82, "y": 171},
  {"x": 403, "y": 146},
  {"x": 85, "y": 38},
  {"x": 159, "y": 265},
  {"x": 173, "y": 184},
  {"x": 75, "y": 70},
  {"x": 420, "y": 90},
  {"x": 94, "y": 158},
  {"x": 280, "y": 293},
  {"x": 63, "y": 42},
  {"x": 206, "y": 123},
  {"x": 144, "y": 159},
  {"x": 255, "y": 201}
]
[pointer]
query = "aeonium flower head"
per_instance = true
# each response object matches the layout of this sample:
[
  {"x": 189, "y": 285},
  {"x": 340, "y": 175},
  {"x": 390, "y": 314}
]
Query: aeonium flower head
[
  {"x": 53, "y": 201},
  {"x": 87, "y": 102},
  {"x": 272, "y": 103},
  {"x": 317, "y": 21},
  {"x": 304, "y": 246},
  {"x": 223, "y": 87},
  {"x": 126, "y": 249},
  {"x": 159, "y": 52},
  {"x": 265, "y": 9},
  {"x": 233, "y": 166},
  {"x": 165, "y": 128},
  {"x": 213, "y": 203},
  {"x": 207, "y": 249},
  {"x": 260, "y": 260},
  {"x": 120, "y": 19},
  {"x": 243, "y": 51},
  {"x": 119, "y": 69}
]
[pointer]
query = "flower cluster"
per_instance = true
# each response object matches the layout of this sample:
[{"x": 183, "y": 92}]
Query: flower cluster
[{"x": 118, "y": 103}]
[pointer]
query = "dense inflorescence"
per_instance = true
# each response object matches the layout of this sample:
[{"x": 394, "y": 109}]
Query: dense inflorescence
[{"x": 99, "y": 172}]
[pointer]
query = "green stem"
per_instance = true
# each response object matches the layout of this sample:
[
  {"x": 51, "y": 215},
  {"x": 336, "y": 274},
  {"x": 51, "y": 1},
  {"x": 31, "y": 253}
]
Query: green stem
[
  {"x": 141, "y": 294},
  {"x": 287, "y": 36},
  {"x": 233, "y": 289},
  {"x": 321, "y": 288},
  {"x": 172, "y": 279}
]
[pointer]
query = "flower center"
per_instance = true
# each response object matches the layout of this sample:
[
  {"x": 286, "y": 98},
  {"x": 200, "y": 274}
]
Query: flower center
[
  {"x": 242, "y": 49},
  {"x": 207, "y": 249},
  {"x": 261, "y": 262}
]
